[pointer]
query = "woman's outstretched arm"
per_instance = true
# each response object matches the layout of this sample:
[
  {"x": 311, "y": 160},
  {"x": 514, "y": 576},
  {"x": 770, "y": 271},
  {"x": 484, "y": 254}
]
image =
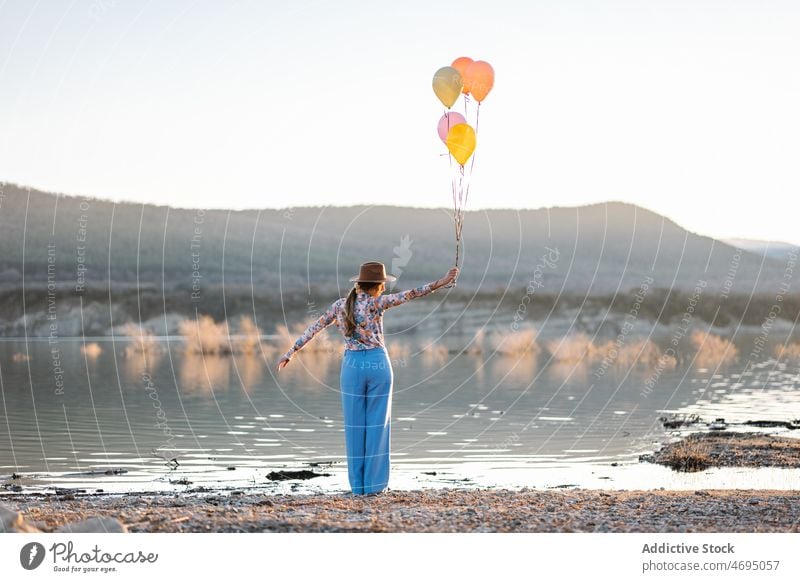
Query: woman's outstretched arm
[
  {"x": 321, "y": 323},
  {"x": 395, "y": 299}
]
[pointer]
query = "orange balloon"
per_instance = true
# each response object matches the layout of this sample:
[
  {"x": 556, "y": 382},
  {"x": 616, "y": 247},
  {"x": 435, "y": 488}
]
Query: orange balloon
[
  {"x": 461, "y": 64},
  {"x": 479, "y": 79}
]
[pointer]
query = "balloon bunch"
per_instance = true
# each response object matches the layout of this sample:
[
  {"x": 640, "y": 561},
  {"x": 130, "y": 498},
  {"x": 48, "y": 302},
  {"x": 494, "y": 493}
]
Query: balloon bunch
[{"x": 472, "y": 79}]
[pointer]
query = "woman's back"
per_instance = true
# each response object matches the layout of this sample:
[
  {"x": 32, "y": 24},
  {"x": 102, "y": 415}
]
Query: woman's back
[{"x": 368, "y": 315}]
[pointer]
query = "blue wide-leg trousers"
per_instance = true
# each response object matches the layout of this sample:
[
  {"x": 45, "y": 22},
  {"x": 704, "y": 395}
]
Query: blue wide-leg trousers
[{"x": 366, "y": 386}]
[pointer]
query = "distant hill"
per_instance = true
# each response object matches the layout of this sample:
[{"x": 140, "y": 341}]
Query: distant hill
[
  {"x": 773, "y": 249},
  {"x": 601, "y": 248}
]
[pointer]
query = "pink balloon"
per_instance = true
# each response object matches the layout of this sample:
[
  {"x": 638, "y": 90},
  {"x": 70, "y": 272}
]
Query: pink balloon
[{"x": 447, "y": 121}]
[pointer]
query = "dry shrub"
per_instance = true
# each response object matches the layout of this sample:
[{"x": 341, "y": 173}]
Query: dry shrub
[
  {"x": 434, "y": 354},
  {"x": 477, "y": 345},
  {"x": 637, "y": 351},
  {"x": 250, "y": 336},
  {"x": 204, "y": 336},
  {"x": 788, "y": 351},
  {"x": 712, "y": 350},
  {"x": 572, "y": 348},
  {"x": 321, "y": 342},
  {"x": 142, "y": 354},
  {"x": 144, "y": 342},
  {"x": 92, "y": 350},
  {"x": 518, "y": 342},
  {"x": 689, "y": 455},
  {"x": 399, "y": 351},
  {"x": 667, "y": 362}
]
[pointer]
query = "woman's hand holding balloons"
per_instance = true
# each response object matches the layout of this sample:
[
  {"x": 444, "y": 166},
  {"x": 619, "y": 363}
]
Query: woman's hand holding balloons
[
  {"x": 448, "y": 280},
  {"x": 282, "y": 363}
]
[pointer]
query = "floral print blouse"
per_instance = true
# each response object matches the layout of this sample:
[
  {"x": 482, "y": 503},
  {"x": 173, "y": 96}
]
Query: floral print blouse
[{"x": 368, "y": 315}]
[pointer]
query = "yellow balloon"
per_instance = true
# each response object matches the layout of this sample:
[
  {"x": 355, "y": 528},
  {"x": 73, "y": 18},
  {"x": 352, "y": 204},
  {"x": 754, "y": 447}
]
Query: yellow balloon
[
  {"x": 461, "y": 142},
  {"x": 447, "y": 84}
]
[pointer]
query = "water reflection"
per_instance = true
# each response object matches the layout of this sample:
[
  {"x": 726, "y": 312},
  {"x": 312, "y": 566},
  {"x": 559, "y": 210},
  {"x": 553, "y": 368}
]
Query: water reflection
[
  {"x": 494, "y": 404},
  {"x": 204, "y": 374}
]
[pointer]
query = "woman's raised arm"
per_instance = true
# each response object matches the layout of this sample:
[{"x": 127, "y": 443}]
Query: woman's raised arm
[{"x": 395, "y": 299}]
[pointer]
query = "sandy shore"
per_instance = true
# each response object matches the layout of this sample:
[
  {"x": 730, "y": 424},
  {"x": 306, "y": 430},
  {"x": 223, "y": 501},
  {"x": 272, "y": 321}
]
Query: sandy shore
[{"x": 439, "y": 510}]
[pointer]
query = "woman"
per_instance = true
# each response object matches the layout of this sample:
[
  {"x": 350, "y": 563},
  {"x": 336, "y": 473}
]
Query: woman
[{"x": 366, "y": 376}]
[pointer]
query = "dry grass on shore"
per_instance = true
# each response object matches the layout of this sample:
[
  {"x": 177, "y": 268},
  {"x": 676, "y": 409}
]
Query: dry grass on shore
[
  {"x": 701, "y": 450},
  {"x": 205, "y": 336},
  {"x": 789, "y": 351},
  {"x": 712, "y": 350},
  {"x": 689, "y": 456},
  {"x": 143, "y": 342}
]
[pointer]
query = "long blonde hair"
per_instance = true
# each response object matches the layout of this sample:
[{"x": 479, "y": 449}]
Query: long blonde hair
[{"x": 350, "y": 303}]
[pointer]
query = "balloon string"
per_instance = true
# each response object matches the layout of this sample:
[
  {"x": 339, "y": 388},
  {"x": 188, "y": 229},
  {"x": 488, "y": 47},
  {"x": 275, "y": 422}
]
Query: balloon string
[
  {"x": 472, "y": 162},
  {"x": 455, "y": 194},
  {"x": 460, "y": 212}
]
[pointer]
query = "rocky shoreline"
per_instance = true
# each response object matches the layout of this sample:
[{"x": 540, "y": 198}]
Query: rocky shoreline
[
  {"x": 450, "y": 509},
  {"x": 439, "y": 510}
]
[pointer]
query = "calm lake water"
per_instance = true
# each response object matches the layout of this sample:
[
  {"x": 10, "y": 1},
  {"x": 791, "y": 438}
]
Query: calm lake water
[{"x": 457, "y": 420}]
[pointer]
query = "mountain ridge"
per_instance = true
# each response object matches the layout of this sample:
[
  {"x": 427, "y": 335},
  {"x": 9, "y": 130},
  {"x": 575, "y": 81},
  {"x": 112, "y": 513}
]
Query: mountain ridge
[{"x": 602, "y": 247}]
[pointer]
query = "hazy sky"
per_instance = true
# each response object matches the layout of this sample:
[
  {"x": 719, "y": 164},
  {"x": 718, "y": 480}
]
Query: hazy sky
[{"x": 688, "y": 108}]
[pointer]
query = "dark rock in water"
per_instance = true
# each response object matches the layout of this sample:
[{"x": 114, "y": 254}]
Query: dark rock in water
[
  {"x": 12, "y": 522},
  {"x": 718, "y": 424},
  {"x": 429, "y": 472},
  {"x": 94, "y": 473},
  {"x": 94, "y": 525},
  {"x": 676, "y": 421},
  {"x": 65, "y": 491},
  {"x": 772, "y": 424},
  {"x": 287, "y": 475},
  {"x": 231, "y": 468}
]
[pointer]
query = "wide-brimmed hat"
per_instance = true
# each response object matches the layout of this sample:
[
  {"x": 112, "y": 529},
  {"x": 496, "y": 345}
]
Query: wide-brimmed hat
[{"x": 373, "y": 272}]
